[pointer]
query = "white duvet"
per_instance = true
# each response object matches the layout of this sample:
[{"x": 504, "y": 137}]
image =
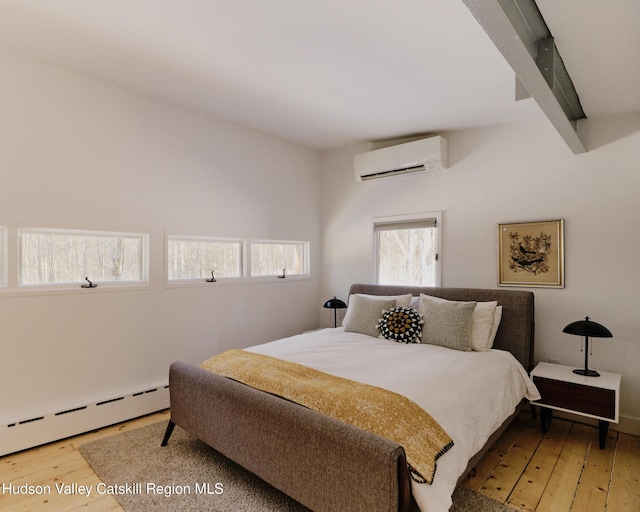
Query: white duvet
[{"x": 469, "y": 393}]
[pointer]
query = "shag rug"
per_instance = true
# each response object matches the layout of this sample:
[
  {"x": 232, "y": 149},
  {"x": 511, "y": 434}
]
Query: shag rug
[{"x": 188, "y": 475}]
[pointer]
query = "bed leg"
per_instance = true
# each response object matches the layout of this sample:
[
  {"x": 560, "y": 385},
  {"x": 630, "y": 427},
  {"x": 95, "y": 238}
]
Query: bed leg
[{"x": 167, "y": 433}]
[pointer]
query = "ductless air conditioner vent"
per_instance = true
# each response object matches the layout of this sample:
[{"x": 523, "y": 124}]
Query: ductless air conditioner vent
[
  {"x": 393, "y": 172},
  {"x": 425, "y": 155}
]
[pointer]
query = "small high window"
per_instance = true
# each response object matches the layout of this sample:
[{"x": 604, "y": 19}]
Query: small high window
[
  {"x": 195, "y": 258},
  {"x": 277, "y": 258},
  {"x": 65, "y": 257}
]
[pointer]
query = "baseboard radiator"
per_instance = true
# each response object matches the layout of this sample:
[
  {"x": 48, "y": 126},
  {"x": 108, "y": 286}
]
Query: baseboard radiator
[{"x": 40, "y": 429}]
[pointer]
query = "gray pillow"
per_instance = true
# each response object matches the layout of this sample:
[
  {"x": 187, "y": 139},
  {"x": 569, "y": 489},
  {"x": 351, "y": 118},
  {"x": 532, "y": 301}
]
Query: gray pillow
[
  {"x": 447, "y": 324},
  {"x": 363, "y": 314}
]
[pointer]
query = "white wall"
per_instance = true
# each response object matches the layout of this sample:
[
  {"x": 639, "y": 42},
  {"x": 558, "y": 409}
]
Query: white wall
[
  {"x": 79, "y": 153},
  {"x": 515, "y": 173}
]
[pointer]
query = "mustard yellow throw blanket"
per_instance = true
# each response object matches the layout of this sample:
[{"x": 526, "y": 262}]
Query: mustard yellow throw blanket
[{"x": 371, "y": 408}]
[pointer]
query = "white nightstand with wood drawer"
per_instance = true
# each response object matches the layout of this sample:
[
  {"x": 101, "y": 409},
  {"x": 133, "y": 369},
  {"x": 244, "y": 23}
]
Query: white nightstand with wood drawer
[{"x": 563, "y": 390}]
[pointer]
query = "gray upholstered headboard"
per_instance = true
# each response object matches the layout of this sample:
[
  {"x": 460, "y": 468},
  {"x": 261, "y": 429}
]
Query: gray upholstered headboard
[{"x": 516, "y": 331}]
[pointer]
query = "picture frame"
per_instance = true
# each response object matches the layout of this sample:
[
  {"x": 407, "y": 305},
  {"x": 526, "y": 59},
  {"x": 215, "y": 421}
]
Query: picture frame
[{"x": 531, "y": 253}]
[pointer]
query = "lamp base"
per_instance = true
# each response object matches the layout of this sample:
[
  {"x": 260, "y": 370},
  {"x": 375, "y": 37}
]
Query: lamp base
[{"x": 587, "y": 373}]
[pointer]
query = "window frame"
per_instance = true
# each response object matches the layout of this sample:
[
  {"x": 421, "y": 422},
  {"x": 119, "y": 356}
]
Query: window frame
[
  {"x": 306, "y": 269},
  {"x": 77, "y": 285},
  {"x": 192, "y": 281},
  {"x": 4, "y": 263},
  {"x": 247, "y": 277},
  {"x": 408, "y": 221}
]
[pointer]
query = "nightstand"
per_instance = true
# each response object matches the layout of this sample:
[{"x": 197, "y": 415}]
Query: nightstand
[{"x": 563, "y": 390}]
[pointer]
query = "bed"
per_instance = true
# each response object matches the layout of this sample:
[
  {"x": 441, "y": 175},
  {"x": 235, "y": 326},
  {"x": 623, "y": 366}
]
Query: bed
[{"x": 328, "y": 464}]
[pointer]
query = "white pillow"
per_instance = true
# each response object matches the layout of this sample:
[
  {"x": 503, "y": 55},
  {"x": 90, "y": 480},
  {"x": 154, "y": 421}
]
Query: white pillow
[
  {"x": 364, "y": 312},
  {"x": 494, "y": 328},
  {"x": 401, "y": 300},
  {"x": 482, "y": 321}
]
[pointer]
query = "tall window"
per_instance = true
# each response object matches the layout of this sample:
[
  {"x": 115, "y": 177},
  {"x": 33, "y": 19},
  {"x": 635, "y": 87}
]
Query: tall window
[
  {"x": 194, "y": 258},
  {"x": 407, "y": 250},
  {"x": 271, "y": 258},
  {"x": 58, "y": 257}
]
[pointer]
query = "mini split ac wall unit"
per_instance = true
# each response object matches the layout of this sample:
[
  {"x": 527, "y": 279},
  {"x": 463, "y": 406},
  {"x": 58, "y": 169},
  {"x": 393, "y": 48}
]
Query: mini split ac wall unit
[{"x": 424, "y": 155}]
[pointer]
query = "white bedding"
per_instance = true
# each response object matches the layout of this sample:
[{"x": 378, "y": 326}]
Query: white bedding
[{"x": 469, "y": 393}]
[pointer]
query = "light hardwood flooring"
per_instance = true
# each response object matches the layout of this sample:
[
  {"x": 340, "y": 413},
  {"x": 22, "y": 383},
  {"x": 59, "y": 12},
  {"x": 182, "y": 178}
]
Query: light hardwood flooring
[
  {"x": 60, "y": 462},
  {"x": 563, "y": 470}
]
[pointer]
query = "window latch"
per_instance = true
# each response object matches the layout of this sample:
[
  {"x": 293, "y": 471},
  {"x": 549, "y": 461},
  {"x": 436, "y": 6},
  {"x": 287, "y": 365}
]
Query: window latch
[
  {"x": 89, "y": 284},
  {"x": 213, "y": 278}
]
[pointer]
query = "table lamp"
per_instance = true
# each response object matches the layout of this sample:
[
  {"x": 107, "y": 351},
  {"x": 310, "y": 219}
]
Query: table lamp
[
  {"x": 587, "y": 328},
  {"x": 335, "y": 304}
]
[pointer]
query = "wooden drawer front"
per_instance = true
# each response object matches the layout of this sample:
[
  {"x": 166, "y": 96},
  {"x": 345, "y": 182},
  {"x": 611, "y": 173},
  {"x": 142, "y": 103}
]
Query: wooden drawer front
[{"x": 577, "y": 397}]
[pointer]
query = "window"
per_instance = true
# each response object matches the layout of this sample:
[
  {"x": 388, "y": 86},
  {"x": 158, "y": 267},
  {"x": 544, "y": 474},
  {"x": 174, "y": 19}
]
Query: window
[
  {"x": 61, "y": 257},
  {"x": 271, "y": 258},
  {"x": 194, "y": 258},
  {"x": 3, "y": 257},
  {"x": 407, "y": 250}
]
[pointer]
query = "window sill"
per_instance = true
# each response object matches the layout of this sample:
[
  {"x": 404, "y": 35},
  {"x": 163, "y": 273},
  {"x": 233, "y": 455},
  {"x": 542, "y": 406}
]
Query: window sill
[
  {"x": 231, "y": 281},
  {"x": 30, "y": 291}
]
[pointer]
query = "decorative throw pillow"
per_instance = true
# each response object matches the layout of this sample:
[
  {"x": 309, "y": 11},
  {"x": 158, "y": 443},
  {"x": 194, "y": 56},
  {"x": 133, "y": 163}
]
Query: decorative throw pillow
[
  {"x": 448, "y": 324},
  {"x": 401, "y": 324},
  {"x": 481, "y": 322},
  {"x": 363, "y": 313}
]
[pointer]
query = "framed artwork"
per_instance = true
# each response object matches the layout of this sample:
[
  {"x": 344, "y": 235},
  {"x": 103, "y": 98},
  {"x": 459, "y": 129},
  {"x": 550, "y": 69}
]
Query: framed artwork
[{"x": 531, "y": 254}]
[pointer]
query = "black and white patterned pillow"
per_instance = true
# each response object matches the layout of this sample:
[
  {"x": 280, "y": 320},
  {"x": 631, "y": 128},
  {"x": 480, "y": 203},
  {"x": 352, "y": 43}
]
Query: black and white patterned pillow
[{"x": 401, "y": 324}]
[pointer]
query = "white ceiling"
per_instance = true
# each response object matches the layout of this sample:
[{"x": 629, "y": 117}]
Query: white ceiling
[{"x": 327, "y": 73}]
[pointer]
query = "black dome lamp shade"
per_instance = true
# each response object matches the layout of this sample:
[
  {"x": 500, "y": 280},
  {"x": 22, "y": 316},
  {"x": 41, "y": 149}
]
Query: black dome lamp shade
[
  {"x": 587, "y": 328},
  {"x": 335, "y": 304}
]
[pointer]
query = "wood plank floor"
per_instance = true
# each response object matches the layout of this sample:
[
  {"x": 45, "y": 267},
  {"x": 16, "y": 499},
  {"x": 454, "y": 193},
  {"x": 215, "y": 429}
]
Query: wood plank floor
[
  {"x": 60, "y": 462},
  {"x": 563, "y": 470}
]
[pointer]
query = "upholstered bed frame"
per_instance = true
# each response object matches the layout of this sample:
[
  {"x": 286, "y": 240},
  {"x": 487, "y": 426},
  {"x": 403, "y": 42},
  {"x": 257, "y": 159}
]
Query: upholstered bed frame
[{"x": 323, "y": 463}]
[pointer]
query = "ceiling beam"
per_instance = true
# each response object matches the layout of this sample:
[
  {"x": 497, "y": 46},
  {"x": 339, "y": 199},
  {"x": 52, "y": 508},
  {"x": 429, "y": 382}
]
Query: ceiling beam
[{"x": 518, "y": 30}]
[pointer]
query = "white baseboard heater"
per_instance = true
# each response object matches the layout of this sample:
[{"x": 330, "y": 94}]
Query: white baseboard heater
[{"x": 69, "y": 421}]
